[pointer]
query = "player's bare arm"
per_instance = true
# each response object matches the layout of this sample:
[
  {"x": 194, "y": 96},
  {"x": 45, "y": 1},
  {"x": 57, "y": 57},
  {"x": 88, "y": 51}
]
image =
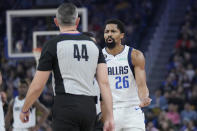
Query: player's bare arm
[
  {"x": 34, "y": 92},
  {"x": 138, "y": 61},
  {"x": 45, "y": 112},
  {"x": 9, "y": 115},
  {"x": 102, "y": 78}
]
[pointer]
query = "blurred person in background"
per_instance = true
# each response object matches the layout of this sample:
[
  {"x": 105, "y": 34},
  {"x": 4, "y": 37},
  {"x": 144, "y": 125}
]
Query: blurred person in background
[
  {"x": 188, "y": 113},
  {"x": 151, "y": 127},
  {"x": 15, "y": 107},
  {"x": 158, "y": 100},
  {"x": 173, "y": 114},
  {"x": 164, "y": 124}
]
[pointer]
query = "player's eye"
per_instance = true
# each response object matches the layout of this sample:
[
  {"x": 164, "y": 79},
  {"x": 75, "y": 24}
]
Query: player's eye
[{"x": 106, "y": 31}]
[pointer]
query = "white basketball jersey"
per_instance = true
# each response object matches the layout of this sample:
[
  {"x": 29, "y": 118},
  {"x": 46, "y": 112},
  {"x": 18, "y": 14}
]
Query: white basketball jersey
[
  {"x": 1, "y": 115},
  {"x": 17, "y": 107},
  {"x": 121, "y": 78}
]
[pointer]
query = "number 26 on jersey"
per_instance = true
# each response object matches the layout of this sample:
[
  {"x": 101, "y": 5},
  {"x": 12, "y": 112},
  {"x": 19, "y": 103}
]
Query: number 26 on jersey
[{"x": 122, "y": 82}]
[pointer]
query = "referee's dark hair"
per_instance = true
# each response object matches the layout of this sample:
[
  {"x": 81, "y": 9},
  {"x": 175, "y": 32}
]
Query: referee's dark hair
[{"x": 120, "y": 24}]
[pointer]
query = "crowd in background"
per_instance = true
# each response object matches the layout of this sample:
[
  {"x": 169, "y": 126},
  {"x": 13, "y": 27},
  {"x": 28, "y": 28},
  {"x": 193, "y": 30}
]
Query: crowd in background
[
  {"x": 135, "y": 14},
  {"x": 174, "y": 105}
]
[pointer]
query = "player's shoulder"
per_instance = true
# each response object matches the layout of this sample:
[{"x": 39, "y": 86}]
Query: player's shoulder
[
  {"x": 137, "y": 56},
  {"x": 137, "y": 53}
]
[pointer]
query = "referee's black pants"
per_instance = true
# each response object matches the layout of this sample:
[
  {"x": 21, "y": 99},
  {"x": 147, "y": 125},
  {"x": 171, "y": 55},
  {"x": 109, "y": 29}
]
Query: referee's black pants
[{"x": 73, "y": 113}]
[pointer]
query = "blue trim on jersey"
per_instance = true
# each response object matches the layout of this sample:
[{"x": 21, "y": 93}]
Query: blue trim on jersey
[
  {"x": 70, "y": 33},
  {"x": 130, "y": 61}
]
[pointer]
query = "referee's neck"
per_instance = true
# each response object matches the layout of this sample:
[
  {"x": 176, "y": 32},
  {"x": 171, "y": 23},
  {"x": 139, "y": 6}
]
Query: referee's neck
[{"x": 68, "y": 29}]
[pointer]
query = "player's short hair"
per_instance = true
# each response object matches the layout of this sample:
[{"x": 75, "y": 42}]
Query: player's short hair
[
  {"x": 119, "y": 24},
  {"x": 23, "y": 81},
  {"x": 67, "y": 14}
]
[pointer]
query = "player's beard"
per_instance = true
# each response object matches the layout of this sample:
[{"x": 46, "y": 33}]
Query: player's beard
[{"x": 110, "y": 45}]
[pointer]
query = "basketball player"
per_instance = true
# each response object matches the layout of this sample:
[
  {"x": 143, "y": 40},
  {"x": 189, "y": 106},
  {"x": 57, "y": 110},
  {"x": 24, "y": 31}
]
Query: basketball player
[
  {"x": 127, "y": 79},
  {"x": 15, "y": 108},
  {"x": 2, "y": 99},
  {"x": 74, "y": 59}
]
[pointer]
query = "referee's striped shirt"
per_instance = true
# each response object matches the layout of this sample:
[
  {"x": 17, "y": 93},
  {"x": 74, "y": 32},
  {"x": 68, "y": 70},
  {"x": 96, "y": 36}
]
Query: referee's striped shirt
[{"x": 73, "y": 59}]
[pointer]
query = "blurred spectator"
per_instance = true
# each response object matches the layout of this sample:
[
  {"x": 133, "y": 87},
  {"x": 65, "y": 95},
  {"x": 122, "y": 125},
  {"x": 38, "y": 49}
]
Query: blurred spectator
[
  {"x": 177, "y": 60},
  {"x": 188, "y": 126},
  {"x": 183, "y": 43},
  {"x": 176, "y": 98},
  {"x": 173, "y": 114},
  {"x": 192, "y": 126},
  {"x": 151, "y": 127},
  {"x": 164, "y": 123},
  {"x": 190, "y": 72},
  {"x": 19, "y": 46},
  {"x": 158, "y": 100},
  {"x": 188, "y": 113},
  {"x": 194, "y": 81},
  {"x": 187, "y": 59},
  {"x": 193, "y": 97},
  {"x": 185, "y": 82},
  {"x": 170, "y": 83}
]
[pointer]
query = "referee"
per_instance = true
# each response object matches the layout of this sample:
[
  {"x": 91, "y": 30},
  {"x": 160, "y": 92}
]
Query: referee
[{"x": 74, "y": 59}]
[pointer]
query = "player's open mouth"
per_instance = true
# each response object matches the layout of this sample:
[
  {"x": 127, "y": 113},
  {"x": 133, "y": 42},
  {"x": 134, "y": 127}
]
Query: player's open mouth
[{"x": 109, "y": 40}]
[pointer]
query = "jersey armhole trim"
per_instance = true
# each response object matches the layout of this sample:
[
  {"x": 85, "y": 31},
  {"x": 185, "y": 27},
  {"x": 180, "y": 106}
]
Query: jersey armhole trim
[{"x": 130, "y": 61}]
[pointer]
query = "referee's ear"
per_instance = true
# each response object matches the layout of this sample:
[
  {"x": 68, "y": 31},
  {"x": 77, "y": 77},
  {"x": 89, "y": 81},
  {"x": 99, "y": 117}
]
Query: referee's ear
[
  {"x": 77, "y": 22},
  {"x": 56, "y": 22}
]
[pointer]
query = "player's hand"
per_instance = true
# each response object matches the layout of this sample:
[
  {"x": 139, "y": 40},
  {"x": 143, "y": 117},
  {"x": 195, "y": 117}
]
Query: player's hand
[
  {"x": 145, "y": 102},
  {"x": 24, "y": 117},
  {"x": 108, "y": 125}
]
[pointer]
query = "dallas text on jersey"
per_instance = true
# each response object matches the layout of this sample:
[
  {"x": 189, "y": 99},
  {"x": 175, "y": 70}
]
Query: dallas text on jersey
[{"x": 118, "y": 70}]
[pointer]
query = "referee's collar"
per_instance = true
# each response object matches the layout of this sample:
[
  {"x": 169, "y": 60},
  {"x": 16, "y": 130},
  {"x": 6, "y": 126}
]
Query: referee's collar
[{"x": 70, "y": 33}]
